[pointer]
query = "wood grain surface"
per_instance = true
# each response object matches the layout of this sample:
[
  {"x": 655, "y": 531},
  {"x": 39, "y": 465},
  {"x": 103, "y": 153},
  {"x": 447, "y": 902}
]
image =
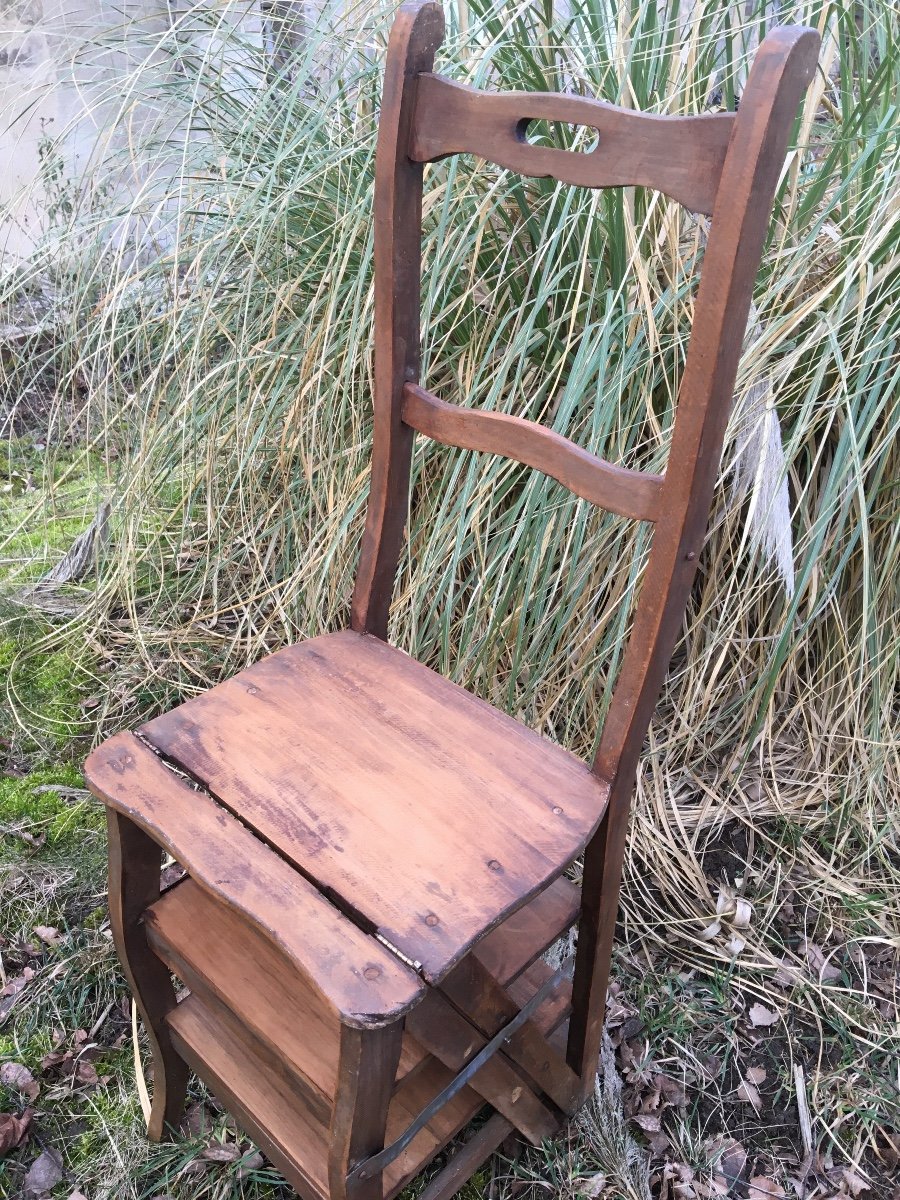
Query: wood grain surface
[
  {"x": 370, "y": 774},
  {"x": 358, "y": 977},
  {"x": 681, "y": 156},
  {"x": 628, "y": 493}
]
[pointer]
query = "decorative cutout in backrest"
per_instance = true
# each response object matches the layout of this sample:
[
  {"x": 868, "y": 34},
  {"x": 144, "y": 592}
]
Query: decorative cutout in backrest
[{"x": 680, "y": 156}]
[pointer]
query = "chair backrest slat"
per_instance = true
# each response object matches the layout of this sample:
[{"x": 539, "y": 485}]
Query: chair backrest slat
[
  {"x": 680, "y": 156},
  {"x": 629, "y": 493}
]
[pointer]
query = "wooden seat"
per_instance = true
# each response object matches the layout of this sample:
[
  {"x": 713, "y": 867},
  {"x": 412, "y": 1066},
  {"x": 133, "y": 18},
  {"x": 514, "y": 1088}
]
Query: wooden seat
[
  {"x": 368, "y": 772},
  {"x": 374, "y": 858}
]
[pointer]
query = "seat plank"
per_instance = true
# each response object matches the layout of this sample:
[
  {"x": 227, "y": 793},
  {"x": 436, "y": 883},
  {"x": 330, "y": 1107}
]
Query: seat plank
[
  {"x": 369, "y": 772},
  {"x": 628, "y": 493},
  {"x": 358, "y": 977},
  {"x": 680, "y": 156}
]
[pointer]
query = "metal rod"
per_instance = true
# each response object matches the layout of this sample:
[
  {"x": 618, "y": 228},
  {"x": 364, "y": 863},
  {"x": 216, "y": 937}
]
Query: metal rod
[{"x": 378, "y": 1162}]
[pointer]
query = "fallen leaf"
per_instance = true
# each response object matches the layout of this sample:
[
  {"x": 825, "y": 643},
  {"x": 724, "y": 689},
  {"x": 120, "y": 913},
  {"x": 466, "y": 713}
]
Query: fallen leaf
[
  {"x": 86, "y": 1073},
  {"x": 44, "y": 1173},
  {"x": 854, "y": 1182},
  {"x": 74, "y": 1066},
  {"x": 171, "y": 874},
  {"x": 785, "y": 976},
  {"x": 760, "y": 1015},
  {"x": 673, "y": 1092},
  {"x": 12, "y": 990},
  {"x": 658, "y": 1144},
  {"x": 748, "y": 1093},
  {"x": 28, "y": 838},
  {"x": 647, "y": 1122},
  {"x": 756, "y": 1074},
  {"x": 592, "y": 1186},
  {"x": 52, "y": 1060},
  {"x": 252, "y": 1162},
  {"x": 815, "y": 956},
  {"x": 14, "y": 1130},
  {"x": 48, "y": 934},
  {"x": 18, "y": 1078},
  {"x": 78, "y": 1196},
  {"x": 197, "y": 1120},
  {"x": 712, "y": 1066},
  {"x": 221, "y": 1152},
  {"x": 712, "y": 1188},
  {"x": 732, "y": 1161},
  {"x": 761, "y": 1186}
]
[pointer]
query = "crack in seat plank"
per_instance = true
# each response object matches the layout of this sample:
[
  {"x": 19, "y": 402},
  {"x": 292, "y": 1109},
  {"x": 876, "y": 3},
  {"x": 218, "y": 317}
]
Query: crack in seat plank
[{"x": 423, "y": 812}]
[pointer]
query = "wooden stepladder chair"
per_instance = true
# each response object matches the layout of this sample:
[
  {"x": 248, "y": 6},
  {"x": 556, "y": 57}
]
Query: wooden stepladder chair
[{"x": 375, "y": 858}]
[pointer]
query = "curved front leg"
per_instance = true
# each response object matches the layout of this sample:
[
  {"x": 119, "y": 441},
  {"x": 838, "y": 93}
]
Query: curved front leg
[{"x": 134, "y": 864}]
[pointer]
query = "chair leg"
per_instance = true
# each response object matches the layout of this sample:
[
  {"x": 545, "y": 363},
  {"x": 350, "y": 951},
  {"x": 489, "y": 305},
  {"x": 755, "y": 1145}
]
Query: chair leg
[
  {"x": 134, "y": 865},
  {"x": 466, "y": 1161},
  {"x": 596, "y": 930},
  {"x": 366, "y": 1072}
]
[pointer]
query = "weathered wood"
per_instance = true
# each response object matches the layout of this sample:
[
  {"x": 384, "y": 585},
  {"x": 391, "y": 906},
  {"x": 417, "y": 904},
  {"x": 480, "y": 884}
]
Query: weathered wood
[
  {"x": 485, "y": 1004},
  {"x": 447, "y": 1035},
  {"x": 681, "y": 156},
  {"x": 245, "y": 972},
  {"x": 628, "y": 493},
  {"x": 444, "y": 1031},
  {"x": 413, "y": 1096},
  {"x": 238, "y": 1069},
  {"x": 416, "y": 34},
  {"x": 361, "y": 980},
  {"x": 466, "y": 1161},
  {"x": 234, "y": 1064},
  {"x": 369, "y": 773},
  {"x": 781, "y": 72},
  {"x": 556, "y": 1008},
  {"x": 367, "y": 1067},
  {"x": 134, "y": 862}
]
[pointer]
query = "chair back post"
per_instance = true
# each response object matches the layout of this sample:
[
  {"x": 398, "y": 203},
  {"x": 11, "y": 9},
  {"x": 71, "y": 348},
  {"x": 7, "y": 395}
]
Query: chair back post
[
  {"x": 781, "y": 72},
  {"x": 415, "y": 36}
]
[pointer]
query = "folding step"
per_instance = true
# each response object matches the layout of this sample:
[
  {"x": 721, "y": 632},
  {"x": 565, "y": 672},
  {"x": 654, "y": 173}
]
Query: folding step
[
  {"x": 246, "y": 1078},
  {"x": 239, "y": 1070},
  {"x": 238, "y": 966},
  {"x": 267, "y": 1043}
]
